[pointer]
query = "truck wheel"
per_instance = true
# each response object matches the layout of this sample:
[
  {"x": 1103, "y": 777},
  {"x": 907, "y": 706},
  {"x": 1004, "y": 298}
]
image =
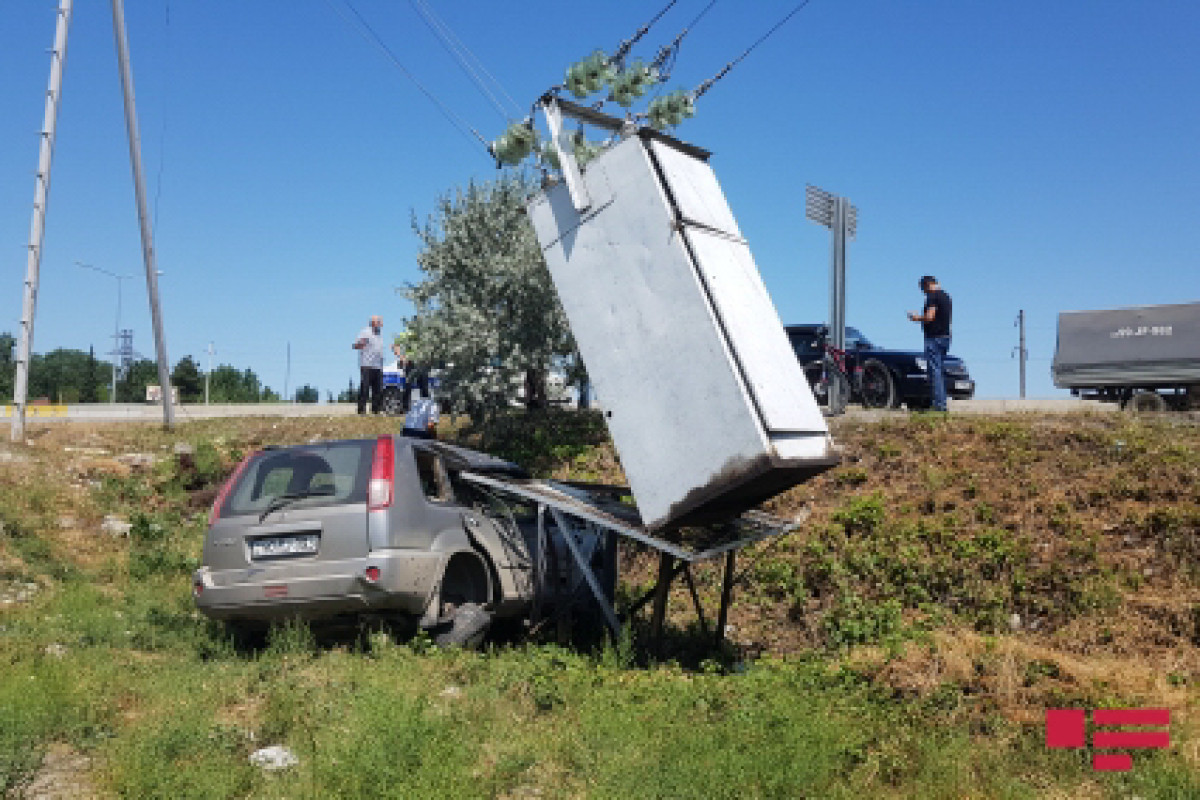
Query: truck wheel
[
  {"x": 878, "y": 386},
  {"x": 1146, "y": 402}
]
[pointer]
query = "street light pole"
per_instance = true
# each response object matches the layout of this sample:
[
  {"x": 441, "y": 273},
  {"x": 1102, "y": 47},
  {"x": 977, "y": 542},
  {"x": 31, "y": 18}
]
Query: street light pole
[
  {"x": 208, "y": 374},
  {"x": 112, "y": 398}
]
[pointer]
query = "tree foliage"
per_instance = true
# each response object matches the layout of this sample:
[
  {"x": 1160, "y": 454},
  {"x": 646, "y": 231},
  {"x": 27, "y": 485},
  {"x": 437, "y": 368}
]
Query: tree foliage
[
  {"x": 8, "y": 348},
  {"x": 486, "y": 308},
  {"x": 73, "y": 376},
  {"x": 188, "y": 379},
  {"x": 61, "y": 376},
  {"x": 308, "y": 394}
]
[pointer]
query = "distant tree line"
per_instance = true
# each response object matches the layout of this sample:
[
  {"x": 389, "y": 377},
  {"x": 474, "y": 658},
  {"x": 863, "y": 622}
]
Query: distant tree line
[{"x": 75, "y": 376}]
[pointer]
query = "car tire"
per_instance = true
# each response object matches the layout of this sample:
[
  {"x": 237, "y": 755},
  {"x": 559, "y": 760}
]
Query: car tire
[
  {"x": 814, "y": 371},
  {"x": 393, "y": 402},
  {"x": 466, "y": 628},
  {"x": 878, "y": 387},
  {"x": 1145, "y": 402}
]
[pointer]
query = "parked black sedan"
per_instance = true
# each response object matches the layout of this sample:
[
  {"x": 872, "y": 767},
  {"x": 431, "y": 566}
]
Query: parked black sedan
[{"x": 880, "y": 378}]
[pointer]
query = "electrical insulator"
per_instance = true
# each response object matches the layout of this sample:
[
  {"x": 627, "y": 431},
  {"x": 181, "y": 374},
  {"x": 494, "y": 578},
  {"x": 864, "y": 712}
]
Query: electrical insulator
[
  {"x": 633, "y": 82},
  {"x": 587, "y": 76},
  {"x": 671, "y": 109},
  {"x": 549, "y": 156},
  {"x": 514, "y": 144}
]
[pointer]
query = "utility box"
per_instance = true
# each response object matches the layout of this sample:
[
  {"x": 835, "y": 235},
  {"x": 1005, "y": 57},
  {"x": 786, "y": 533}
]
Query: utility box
[{"x": 706, "y": 403}]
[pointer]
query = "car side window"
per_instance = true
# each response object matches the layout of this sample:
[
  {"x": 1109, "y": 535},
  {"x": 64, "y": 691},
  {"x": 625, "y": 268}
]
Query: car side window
[{"x": 432, "y": 476}]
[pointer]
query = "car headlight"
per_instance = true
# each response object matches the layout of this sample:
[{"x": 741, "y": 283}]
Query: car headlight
[{"x": 922, "y": 364}]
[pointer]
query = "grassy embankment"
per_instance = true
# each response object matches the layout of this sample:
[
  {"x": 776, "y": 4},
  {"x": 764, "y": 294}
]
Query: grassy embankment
[{"x": 956, "y": 578}]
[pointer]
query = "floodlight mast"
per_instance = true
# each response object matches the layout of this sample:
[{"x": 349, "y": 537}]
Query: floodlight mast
[
  {"x": 37, "y": 230},
  {"x": 837, "y": 214}
]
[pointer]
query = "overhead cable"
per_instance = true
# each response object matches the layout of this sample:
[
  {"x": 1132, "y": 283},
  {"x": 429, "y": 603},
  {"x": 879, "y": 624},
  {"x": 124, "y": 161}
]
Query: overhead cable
[
  {"x": 367, "y": 32},
  {"x": 671, "y": 51},
  {"x": 627, "y": 45},
  {"x": 704, "y": 87},
  {"x": 470, "y": 63}
]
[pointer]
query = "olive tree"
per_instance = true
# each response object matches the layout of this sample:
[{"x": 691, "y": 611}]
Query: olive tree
[{"x": 486, "y": 310}]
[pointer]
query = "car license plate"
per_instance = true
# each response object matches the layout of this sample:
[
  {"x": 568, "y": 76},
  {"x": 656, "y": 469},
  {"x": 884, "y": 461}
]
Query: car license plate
[
  {"x": 304, "y": 544},
  {"x": 962, "y": 386}
]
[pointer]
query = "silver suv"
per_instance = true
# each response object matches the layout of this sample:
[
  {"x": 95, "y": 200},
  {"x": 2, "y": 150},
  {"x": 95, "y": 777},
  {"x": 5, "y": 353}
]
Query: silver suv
[{"x": 370, "y": 526}]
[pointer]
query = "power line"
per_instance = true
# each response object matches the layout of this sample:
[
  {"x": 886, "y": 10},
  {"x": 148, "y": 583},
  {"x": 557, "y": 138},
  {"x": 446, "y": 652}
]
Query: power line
[
  {"x": 460, "y": 52},
  {"x": 627, "y": 45},
  {"x": 368, "y": 33},
  {"x": 704, "y": 87},
  {"x": 671, "y": 52}
]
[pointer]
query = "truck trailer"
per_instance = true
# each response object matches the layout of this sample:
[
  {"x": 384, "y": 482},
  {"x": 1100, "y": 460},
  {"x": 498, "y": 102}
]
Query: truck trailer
[{"x": 1146, "y": 358}]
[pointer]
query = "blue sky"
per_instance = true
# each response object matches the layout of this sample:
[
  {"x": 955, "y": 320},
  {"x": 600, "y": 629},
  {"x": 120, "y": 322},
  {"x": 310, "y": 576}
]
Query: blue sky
[{"x": 1032, "y": 155}]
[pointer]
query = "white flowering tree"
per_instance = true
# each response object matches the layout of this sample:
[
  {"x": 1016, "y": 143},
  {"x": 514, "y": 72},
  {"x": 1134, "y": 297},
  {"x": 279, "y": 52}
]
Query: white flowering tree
[{"x": 486, "y": 310}]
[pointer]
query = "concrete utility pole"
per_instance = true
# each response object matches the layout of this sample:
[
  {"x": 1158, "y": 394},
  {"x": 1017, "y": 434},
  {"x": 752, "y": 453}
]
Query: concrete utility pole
[
  {"x": 37, "y": 231},
  {"x": 1022, "y": 353},
  {"x": 139, "y": 188}
]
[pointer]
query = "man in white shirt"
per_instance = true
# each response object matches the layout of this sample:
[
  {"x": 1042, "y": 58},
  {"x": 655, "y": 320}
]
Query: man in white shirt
[{"x": 371, "y": 349}]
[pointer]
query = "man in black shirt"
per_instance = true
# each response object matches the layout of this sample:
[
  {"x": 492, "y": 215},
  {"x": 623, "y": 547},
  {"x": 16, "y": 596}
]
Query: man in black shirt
[{"x": 935, "y": 323}]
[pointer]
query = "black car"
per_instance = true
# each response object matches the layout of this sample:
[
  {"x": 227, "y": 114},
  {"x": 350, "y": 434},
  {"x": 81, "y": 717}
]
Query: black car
[{"x": 880, "y": 378}]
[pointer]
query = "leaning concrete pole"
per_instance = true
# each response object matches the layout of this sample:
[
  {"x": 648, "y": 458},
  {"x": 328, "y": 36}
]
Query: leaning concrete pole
[
  {"x": 37, "y": 231},
  {"x": 139, "y": 188}
]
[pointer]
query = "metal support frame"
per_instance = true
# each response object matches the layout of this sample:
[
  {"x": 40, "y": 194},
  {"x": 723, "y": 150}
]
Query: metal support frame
[
  {"x": 571, "y": 509},
  {"x": 566, "y": 156}
]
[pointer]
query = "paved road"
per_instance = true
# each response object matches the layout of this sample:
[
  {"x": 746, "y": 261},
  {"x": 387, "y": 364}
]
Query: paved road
[{"x": 141, "y": 412}]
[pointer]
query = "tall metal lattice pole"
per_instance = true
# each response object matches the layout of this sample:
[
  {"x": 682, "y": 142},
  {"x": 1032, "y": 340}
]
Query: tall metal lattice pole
[
  {"x": 37, "y": 231},
  {"x": 139, "y": 188}
]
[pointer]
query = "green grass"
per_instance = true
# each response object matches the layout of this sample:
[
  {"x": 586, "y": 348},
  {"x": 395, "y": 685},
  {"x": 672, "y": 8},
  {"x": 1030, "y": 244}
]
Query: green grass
[{"x": 110, "y": 658}]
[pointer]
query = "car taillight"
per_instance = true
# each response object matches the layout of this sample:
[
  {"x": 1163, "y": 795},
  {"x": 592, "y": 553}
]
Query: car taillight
[
  {"x": 371, "y": 574},
  {"x": 197, "y": 588},
  {"x": 383, "y": 468},
  {"x": 215, "y": 513}
]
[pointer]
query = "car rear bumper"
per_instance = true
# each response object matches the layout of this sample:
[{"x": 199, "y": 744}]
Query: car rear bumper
[{"x": 404, "y": 583}]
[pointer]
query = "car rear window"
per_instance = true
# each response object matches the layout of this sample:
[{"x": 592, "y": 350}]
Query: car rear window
[{"x": 332, "y": 473}]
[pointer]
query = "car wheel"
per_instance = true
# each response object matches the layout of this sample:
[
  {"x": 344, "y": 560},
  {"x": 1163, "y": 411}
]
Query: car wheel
[
  {"x": 393, "y": 402},
  {"x": 820, "y": 381},
  {"x": 1145, "y": 402},
  {"x": 466, "y": 628},
  {"x": 878, "y": 386}
]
